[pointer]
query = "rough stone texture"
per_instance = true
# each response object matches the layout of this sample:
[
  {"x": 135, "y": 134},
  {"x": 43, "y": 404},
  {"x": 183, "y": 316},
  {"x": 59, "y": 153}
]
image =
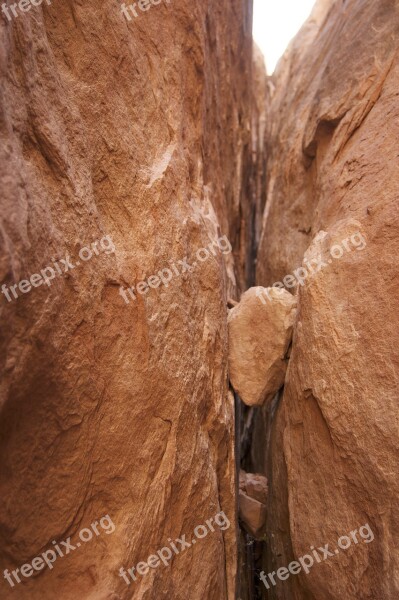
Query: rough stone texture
[
  {"x": 254, "y": 485},
  {"x": 252, "y": 514},
  {"x": 260, "y": 331},
  {"x": 333, "y": 447},
  {"x": 257, "y": 179},
  {"x": 252, "y": 502},
  {"x": 140, "y": 131}
]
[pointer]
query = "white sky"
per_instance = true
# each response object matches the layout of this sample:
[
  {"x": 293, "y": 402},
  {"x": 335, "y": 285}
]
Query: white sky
[{"x": 275, "y": 23}]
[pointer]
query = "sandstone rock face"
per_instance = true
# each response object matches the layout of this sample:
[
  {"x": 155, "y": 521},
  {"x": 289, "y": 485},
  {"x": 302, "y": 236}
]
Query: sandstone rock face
[
  {"x": 333, "y": 446},
  {"x": 254, "y": 485},
  {"x": 136, "y": 136},
  {"x": 252, "y": 502},
  {"x": 260, "y": 331}
]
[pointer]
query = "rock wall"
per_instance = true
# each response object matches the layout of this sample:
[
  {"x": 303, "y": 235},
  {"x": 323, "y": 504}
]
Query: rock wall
[
  {"x": 329, "y": 445},
  {"x": 136, "y": 136},
  {"x": 133, "y": 172}
]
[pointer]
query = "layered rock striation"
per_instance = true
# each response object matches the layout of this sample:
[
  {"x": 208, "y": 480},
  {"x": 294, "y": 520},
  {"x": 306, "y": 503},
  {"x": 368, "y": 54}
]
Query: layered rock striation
[
  {"x": 136, "y": 136},
  {"x": 332, "y": 439}
]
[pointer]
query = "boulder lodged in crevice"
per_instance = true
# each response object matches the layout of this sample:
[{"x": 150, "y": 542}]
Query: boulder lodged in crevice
[
  {"x": 252, "y": 502},
  {"x": 260, "y": 332}
]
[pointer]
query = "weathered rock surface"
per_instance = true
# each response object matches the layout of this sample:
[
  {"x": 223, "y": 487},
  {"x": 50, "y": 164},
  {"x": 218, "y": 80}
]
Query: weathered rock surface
[
  {"x": 141, "y": 131},
  {"x": 254, "y": 485},
  {"x": 260, "y": 331},
  {"x": 333, "y": 448},
  {"x": 252, "y": 502}
]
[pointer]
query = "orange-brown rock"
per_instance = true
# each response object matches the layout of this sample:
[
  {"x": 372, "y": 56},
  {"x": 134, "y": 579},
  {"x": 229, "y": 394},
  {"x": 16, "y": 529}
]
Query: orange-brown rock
[
  {"x": 333, "y": 448},
  {"x": 260, "y": 331},
  {"x": 140, "y": 131},
  {"x": 254, "y": 485},
  {"x": 252, "y": 500}
]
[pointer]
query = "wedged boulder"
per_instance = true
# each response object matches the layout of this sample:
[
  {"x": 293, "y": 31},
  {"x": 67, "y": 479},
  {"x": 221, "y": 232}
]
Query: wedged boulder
[
  {"x": 260, "y": 332},
  {"x": 252, "y": 502}
]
